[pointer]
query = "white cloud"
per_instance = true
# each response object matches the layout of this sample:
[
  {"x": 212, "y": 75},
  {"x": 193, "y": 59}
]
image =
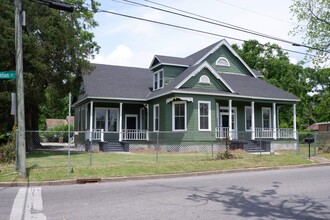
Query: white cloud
[{"x": 120, "y": 56}]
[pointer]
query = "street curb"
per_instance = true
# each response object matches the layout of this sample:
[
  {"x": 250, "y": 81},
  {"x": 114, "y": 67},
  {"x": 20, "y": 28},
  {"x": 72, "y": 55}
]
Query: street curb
[{"x": 160, "y": 176}]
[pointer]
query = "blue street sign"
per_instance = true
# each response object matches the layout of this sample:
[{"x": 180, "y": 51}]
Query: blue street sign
[{"x": 7, "y": 75}]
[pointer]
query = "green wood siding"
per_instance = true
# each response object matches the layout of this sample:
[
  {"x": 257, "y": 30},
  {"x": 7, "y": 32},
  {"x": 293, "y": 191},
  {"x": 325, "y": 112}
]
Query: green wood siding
[
  {"x": 235, "y": 64},
  {"x": 216, "y": 84}
]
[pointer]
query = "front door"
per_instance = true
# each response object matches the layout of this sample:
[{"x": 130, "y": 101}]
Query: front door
[
  {"x": 131, "y": 122},
  {"x": 224, "y": 120}
]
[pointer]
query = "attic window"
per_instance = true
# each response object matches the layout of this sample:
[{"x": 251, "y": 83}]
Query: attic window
[
  {"x": 204, "y": 79},
  {"x": 222, "y": 62}
]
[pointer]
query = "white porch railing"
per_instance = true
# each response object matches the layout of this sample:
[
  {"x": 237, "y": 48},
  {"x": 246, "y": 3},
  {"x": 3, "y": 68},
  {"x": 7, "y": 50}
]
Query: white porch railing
[
  {"x": 135, "y": 134},
  {"x": 281, "y": 133},
  {"x": 221, "y": 132},
  {"x": 96, "y": 135}
]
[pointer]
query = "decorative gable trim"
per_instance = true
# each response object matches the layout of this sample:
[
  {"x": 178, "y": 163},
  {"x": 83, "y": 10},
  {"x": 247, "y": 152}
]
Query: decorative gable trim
[
  {"x": 226, "y": 44},
  {"x": 209, "y": 67}
]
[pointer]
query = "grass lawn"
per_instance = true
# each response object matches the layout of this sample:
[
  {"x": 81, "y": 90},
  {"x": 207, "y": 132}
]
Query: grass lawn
[{"x": 46, "y": 166}]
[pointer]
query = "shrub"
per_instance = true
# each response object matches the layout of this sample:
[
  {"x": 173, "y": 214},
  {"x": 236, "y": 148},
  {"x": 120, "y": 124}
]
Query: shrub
[
  {"x": 7, "y": 152},
  {"x": 227, "y": 154}
]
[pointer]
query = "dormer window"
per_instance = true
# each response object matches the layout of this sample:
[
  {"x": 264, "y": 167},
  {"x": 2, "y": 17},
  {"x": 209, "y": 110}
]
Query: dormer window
[
  {"x": 222, "y": 62},
  {"x": 158, "y": 79},
  {"x": 204, "y": 79}
]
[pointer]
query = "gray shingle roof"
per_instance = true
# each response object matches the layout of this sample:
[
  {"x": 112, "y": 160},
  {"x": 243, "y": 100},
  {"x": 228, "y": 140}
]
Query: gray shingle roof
[
  {"x": 107, "y": 81},
  {"x": 254, "y": 87}
]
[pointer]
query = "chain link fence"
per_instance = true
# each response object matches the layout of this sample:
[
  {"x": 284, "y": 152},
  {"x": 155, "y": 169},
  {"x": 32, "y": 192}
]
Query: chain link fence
[{"x": 46, "y": 149}]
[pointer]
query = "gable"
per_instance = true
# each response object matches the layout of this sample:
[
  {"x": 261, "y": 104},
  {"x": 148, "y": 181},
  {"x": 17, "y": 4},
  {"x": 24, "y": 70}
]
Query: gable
[
  {"x": 235, "y": 65},
  {"x": 199, "y": 81}
]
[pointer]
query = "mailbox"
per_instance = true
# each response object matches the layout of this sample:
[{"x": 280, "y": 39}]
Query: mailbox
[{"x": 309, "y": 140}]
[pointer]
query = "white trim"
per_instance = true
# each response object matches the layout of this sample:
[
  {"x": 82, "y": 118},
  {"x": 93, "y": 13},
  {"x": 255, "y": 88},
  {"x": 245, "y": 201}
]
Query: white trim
[
  {"x": 131, "y": 116},
  {"x": 245, "y": 124},
  {"x": 154, "y": 111},
  {"x": 167, "y": 64},
  {"x": 274, "y": 121},
  {"x": 188, "y": 99},
  {"x": 187, "y": 92},
  {"x": 225, "y": 43},
  {"x": 157, "y": 75},
  {"x": 209, "y": 115},
  {"x": 204, "y": 79},
  {"x": 294, "y": 122},
  {"x": 120, "y": 121},
  {"x": 234, "y": 109},
  {"x": 106, "y": 119},
  {"x": 173, "y": 115},
  {"x": 253, "y": 122},
  {"x": 270, "y": 118},
  {"x": 205, "y": 64},
  {"x": 222, "y": 58}
]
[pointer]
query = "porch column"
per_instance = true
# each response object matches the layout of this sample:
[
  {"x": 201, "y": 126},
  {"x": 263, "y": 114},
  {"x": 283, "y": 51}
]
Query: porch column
[
  {"x": 230, "y": 119},
  {"x": 274, "y": 122},
  {"x": 91, "y": 122},
  {"x": 120, "y": 121},
  {"x": 147, "y": 107},
  {"x": 294, "y": 122},
  {"x": 253, "y": 125}
]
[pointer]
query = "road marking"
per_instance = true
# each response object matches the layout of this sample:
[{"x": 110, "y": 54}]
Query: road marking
[{"x": 28, "y": 205}]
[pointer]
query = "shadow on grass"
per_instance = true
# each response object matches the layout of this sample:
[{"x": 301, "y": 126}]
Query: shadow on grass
[{"x": 267, "y": 204}]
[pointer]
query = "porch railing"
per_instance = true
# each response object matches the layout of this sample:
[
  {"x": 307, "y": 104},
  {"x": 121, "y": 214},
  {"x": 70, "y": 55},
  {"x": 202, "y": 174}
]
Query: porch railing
[
  {"x": 221, "y": 132},
  {"x": 95, "y": 135},
  {"x": 281, "y": 133},
  {"x": 135, "y": 134}
]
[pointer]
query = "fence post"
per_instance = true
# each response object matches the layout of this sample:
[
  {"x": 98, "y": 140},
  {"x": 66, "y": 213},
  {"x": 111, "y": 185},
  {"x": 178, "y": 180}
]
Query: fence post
[
  {"x": 297, "y": 142},
  {"x": 315, "y": 140},
  {"x": 90, "y": 150},
  {"x": 157, "y": 146}
]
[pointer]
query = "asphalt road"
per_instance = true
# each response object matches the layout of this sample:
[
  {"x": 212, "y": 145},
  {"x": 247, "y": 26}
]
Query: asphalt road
[{"x": 302, "y": 193}]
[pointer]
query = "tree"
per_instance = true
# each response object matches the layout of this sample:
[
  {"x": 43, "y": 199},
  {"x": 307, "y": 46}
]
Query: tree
[
  {"x": 274, "y": 64},
  {"x": 314, "y": 23},
  {"x": 56, "y": 47}
]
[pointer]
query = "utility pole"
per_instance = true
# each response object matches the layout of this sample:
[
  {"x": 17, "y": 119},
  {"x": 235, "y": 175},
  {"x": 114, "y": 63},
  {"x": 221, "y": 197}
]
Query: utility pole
[
  {"x": 20, "y": 81},
  {"x": 20, "y": 90}
]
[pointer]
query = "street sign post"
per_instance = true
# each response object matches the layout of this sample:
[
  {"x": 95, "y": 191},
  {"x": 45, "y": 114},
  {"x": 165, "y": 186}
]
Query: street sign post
[{"x": 7, "y": 75}]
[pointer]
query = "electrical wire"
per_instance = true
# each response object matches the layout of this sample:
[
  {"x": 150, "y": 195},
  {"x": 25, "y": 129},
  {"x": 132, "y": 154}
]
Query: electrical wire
[
  {"x": 230, "y": 26},
  {"x": 188, "y": 29}
]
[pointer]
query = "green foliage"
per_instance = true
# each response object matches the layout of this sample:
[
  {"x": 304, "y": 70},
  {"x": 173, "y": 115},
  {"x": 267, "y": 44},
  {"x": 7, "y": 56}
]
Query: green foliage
[
  {"x": 314, "y": 24},
  {"x": 226, "y": 155},
  {"x": 7, "y": 150},
  {"x": 310, "y": 85},
  {"x": 56, "y": 134}
]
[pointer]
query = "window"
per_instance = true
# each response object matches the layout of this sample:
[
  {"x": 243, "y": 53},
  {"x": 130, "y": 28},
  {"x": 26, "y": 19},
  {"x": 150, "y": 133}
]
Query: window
[
  {"x": 222, "y": 62},
  {"x": 266, "y": 118},
  {"x": 158, "y": 79},
  {"x": 106, "y": 119},
  {"x": 100, "y": 115},
  {"x": 156, "y": 117},
  {"x": 204, "y": 79},
  {"x": 113, "y": 119},
  {"x": 204, "y": 116},
  {"x": 248, "y": 118},
  {"x": 179, "y": 110}
]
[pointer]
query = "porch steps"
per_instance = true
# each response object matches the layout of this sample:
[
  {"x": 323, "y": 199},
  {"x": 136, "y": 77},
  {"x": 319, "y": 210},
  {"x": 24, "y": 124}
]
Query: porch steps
[
  {"x": 253, "y": 146},
  {"x": 113, "y": 147}
]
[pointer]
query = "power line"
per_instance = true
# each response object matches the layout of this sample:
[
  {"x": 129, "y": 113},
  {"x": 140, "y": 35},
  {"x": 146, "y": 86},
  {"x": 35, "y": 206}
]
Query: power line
[
  {"x": 226, "y": 25},
  {"x": 255, "y": 12},
  {"x": 186, "y": 28}
]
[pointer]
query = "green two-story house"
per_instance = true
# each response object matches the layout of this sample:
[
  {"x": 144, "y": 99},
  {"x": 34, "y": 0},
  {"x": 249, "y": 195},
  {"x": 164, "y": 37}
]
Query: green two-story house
[{"x": 210, "y": 91}]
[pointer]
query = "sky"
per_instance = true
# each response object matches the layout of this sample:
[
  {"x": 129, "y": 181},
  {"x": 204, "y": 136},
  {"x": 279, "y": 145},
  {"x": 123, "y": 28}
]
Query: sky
[{"x": 128, "y": 42}]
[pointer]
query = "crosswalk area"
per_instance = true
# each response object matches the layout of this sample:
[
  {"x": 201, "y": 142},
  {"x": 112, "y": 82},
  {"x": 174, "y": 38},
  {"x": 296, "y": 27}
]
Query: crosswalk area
[{"x": 28, "y": 205}]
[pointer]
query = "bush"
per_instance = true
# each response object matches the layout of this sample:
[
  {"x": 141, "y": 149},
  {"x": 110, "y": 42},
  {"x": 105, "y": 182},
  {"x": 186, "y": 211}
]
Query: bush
[
  {"x": 324, "y": 149},
  {"x": 7, "y": 152},
  {"x": 225, "y": 155},
  {"x": 56, "y": 134}
]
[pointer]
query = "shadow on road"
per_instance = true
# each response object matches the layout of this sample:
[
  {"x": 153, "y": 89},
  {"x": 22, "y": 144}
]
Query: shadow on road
[{"x": 268, "y": 204}]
